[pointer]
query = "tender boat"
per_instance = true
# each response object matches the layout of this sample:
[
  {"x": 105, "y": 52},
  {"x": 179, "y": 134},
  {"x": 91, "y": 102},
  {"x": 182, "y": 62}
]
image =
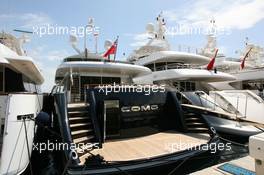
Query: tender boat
[{"x": 20, "y": 103}]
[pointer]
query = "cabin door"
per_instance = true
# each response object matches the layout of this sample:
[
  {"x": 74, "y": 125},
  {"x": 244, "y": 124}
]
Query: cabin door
[
  {"x": 111, "y": 119},
  {"x": 2, "y": 79},
  {"x": 76, "y": 89}
]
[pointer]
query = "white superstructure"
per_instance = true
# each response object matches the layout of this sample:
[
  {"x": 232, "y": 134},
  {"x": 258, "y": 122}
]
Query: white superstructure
[
  {"x": 185, "y": 71},
  {"x": 89, "y": 69},
  {"x": 242, "y": 102},
  {"x": 20, "y": 101},
  {"x": 251, "y": 77}
]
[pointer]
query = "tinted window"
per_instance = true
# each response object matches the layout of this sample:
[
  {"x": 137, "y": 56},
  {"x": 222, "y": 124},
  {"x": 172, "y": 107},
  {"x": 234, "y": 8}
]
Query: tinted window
[{"x": 13, "y": 81}]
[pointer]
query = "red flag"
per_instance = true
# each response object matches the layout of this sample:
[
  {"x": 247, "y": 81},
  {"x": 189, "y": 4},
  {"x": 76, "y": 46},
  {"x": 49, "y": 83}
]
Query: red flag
[
  {"x": 112, "y": 49},
  {"x": 210, "y": 65},
  {"x": 244, "y": 59}
]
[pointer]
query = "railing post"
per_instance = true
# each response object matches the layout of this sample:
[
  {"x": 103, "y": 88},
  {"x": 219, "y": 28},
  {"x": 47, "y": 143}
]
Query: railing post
[
  {"x": 214, "y": 101},
  {"x": 237, "y": 106},
  {"x": 246, "y": 106}
]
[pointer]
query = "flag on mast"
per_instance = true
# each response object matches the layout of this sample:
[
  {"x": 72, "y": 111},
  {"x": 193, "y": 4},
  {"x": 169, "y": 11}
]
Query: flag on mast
[
  {"x": 244, "y": 59},
  {"x": 112, "y": 49},
  {"x": 210, "y": 65}
]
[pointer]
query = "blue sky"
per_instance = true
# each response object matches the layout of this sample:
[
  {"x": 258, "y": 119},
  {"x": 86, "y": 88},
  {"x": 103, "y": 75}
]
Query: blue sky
[{"x": 128, "y": 19}]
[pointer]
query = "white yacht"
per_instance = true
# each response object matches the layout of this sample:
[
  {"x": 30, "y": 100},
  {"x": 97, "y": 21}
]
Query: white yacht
[
  {"x": 185, "y": 71},
  {"x": 239, "y": 96},
  {"x": 250, "y": 77},
  {"x": 90, "y": 71},
  {"x": 188, "y": 73},
  {"x": 112, "y": 132},
  {"x": 20, "y": 103}
]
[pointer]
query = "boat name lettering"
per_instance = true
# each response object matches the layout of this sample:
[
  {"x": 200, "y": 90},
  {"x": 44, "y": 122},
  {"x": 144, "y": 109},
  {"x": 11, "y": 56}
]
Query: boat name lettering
[{"x": 141, "y": 108}]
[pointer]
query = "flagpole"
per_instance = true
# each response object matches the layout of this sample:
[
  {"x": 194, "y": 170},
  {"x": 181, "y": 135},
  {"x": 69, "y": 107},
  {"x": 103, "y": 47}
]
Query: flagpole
[
  {"x": 244, "y": 59},
  {"x": 116, "y": 46}
]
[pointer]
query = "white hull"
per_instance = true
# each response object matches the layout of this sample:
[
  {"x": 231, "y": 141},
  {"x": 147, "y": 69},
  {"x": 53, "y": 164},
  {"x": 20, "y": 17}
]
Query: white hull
[
  {"x": 187, "y": 74},
  {"x": 14, "y": 153},
  {"x": 231, "y": 127}
]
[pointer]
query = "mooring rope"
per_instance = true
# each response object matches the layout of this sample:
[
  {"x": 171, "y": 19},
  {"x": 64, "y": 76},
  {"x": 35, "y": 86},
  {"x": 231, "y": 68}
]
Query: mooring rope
[{"x": 28, "y": 150}]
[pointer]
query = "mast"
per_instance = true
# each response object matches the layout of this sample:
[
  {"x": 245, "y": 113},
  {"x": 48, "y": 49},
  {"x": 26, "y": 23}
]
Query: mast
[
  {"x": 158, "y": 32},
  {"x": 211, "y": 44}
]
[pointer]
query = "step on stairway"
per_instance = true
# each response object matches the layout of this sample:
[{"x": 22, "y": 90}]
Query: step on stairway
[
  {"x": 81, "y": 126},
  {"x": 195, "y": 123}
]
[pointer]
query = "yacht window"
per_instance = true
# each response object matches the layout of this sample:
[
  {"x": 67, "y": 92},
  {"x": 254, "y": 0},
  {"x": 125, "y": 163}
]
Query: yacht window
[
  {"x": 185, "y": 86},
  {"x": 13, "y": 81},
  {"x": 87, "y": 82},
  {"x": 29, "y": 85}
]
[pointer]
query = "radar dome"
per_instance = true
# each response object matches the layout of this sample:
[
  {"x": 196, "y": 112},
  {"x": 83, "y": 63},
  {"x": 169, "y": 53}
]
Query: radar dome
[
  {"x": 73, "y": 39},
  {"x": 150, "y": 28}
]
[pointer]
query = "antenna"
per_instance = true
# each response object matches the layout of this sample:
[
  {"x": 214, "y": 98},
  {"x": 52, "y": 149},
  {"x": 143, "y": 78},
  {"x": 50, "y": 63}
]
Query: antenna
[
  {"x": 96, "y": 34},
  {"x": 22, "y": 31},
  {"x": 89, "y": 25},
  {"x": 212, "y": 28},
  {"x": 92, "y": 30},
  {"x": 161, "y": 27}
]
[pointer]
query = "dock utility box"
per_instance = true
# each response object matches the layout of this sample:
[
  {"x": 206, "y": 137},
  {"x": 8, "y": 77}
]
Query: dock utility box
[{"x": 256, "y": 150}]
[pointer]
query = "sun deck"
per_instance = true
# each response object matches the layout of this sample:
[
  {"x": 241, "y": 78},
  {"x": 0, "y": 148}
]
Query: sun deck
[{"x": 148, "y": 146}]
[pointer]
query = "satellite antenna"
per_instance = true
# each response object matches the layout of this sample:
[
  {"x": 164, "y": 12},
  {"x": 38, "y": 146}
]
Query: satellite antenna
[
  {"x": 22, "y": 40},
  {"x": 74, "y": 42},
  {"x": 150, "y": 28}
]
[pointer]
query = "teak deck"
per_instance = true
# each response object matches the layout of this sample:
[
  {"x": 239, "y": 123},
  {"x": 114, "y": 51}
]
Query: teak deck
[{"x": 149, "y": 146}]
